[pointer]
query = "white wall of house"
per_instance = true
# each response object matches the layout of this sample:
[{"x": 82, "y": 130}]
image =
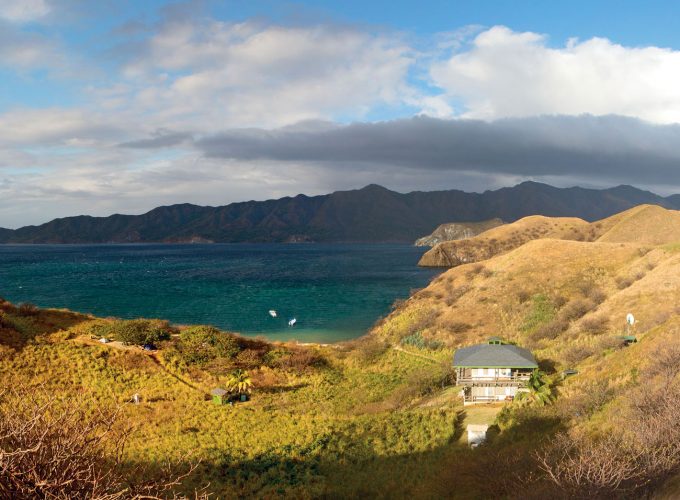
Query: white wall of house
[
  {"x": 491, "y": 393},
  {"x": 487, "y": 373}
]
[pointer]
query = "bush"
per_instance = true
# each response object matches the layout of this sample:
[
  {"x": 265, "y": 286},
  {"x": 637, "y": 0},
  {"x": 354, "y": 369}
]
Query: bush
[
  {"x": 523, "y": 296},
  {"x": 456, "y": 293},
  {"x": 249, "y": 358},
  {"x": 595, "y": 325},
  {"x": 417, "y": 340},
  {"x": 577, "y": 309},
  {"x": 474, "y": 271},
  {"x": 576, "y": 354},
  {"x": 610, "y": 343},
  {"x": 138, "y": 331},
  {"x": 28, "y": 309},
  {"x": 550, "y": 330},
  {"x": 459, "y": 327},
  {"x": 414, "y": 340},
  {"x": 559, "y": 301},
  {"x": 296, "y": 359},
  {"x": 200, "y": 344},
  {"x": 623, "y": 282},
  {"x": 369, "y": 349}
]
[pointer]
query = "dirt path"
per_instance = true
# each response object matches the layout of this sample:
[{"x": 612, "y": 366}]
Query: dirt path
[{"x": 401, "y": 349}]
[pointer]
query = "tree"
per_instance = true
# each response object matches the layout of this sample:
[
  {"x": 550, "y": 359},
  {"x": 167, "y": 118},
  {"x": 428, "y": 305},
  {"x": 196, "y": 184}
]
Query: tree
[
  {"x": 240, "y": 382},
  {"x": 539, "y": 392},
  {"x": 140, "y": 331}
]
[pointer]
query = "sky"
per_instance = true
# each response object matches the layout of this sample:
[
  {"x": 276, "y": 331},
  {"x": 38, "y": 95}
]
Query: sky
[{"x": 121, "y": 106}]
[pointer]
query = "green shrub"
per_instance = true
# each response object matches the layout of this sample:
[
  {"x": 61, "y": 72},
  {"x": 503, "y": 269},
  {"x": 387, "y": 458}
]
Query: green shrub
[
  {"x": 137, "y": 331},
  {"x": 417, "y": 340},
  {"x": 200, "y": 344}
]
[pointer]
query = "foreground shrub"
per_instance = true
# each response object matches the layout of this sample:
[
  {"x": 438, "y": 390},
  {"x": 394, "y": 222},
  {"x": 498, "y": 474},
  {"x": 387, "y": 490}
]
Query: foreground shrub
[
  {"x": 630, "y": 461},
  {"x": 49, "y": 449}
]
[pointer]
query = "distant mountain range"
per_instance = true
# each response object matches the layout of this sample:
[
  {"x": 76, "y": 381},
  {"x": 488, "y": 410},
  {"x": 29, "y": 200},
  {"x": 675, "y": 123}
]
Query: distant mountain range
[{"x": 371, "y": 214}]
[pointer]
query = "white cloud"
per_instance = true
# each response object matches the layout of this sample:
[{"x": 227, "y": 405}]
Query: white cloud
[
  {"x": 509, "y": 74},
  {"x": 217, "y": 74},
  {"x": 58, "y": 127},
  {"x": 20, "y": 11}
]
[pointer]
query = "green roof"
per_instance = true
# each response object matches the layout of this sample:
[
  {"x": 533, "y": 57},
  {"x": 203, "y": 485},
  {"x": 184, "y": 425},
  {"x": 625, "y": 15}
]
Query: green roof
[{"x": 494, "y": 356}]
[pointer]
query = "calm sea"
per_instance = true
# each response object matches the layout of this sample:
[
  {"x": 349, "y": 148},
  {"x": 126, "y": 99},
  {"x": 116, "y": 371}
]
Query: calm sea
[{"x": 336, "y": 292}]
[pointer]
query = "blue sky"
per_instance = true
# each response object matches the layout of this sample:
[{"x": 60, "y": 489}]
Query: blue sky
[{"x": 120, "y": 106}]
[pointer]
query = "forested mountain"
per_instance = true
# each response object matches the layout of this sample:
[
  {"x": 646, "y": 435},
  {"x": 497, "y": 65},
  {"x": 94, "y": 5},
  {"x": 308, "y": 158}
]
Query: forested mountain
[{"x": 371, "y": 214}]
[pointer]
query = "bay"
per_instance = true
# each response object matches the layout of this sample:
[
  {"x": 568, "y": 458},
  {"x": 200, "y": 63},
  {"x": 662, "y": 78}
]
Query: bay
[{"x": 336, "y": 292}]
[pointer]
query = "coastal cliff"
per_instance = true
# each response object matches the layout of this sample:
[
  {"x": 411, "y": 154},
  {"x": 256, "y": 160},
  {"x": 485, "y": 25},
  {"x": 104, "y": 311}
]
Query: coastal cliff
[{"x": 457, "y": 231}]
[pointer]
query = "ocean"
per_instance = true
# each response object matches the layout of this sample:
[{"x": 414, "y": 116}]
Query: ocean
[{"x": 335, "y": 292}]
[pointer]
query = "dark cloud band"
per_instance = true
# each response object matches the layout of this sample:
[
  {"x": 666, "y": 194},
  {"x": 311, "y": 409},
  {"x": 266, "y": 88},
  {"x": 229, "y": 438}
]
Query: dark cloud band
[{"x": 585, "y": 147}]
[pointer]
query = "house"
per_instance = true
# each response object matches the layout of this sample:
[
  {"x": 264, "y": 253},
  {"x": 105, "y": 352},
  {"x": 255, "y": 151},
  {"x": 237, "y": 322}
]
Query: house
[
  {"x": 220, "y": 396},
  {"x": 494, "y": 371}
]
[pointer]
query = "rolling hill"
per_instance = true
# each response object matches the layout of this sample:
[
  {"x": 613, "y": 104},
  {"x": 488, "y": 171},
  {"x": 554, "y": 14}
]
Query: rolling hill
[
  {"x": 371, "y": 214},
  {"x": 645, "y": 224}
]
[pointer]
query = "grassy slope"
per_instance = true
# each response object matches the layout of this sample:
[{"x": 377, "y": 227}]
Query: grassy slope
[{"x": 303, "y": 434}]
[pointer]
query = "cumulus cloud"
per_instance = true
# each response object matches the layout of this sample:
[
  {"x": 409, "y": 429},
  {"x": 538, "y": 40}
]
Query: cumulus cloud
[
  {"x": 588, "y": 147},
  {"x": 504, "y": 73},
  {"x": 217, "y": 74}
]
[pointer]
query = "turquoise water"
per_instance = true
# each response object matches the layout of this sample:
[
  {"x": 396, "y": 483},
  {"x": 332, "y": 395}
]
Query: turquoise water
[{"x": 336, "y": 292}]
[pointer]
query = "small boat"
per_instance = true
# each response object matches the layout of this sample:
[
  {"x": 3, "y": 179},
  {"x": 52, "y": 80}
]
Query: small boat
[
  {"x": 272, "y": 313},
  {"x": 292, "y": 322}
]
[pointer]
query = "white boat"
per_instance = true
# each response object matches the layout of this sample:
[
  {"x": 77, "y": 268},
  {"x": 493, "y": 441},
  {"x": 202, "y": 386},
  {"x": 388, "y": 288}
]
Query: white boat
[
  {"x": 272, "y": 313},
  {"x": 292, "y": 322}
]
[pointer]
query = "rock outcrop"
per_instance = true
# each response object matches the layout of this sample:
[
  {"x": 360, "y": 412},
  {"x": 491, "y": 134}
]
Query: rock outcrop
[{"x": 457, "y": 231}]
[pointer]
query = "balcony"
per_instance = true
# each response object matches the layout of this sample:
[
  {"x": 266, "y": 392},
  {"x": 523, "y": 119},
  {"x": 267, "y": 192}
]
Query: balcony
[{"x": 516, "y": 379}]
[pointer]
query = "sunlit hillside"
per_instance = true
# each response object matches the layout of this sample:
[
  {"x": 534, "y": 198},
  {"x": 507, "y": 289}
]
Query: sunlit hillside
[{"x": 382, "y": 416}]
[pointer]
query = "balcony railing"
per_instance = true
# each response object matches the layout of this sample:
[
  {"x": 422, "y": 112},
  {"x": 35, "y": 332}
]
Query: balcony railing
[{"x": 500, "y": 379}]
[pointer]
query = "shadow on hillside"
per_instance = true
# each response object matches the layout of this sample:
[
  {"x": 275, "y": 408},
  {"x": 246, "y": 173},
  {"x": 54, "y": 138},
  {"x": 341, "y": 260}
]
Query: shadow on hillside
[
  {"x": 22, "y": 324},
  {"x": 344, "y": 465}
]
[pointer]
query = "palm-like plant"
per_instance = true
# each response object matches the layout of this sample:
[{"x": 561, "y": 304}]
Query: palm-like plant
[
  {"x": 240, "y": 382},
  {"x": 539, "y": 392}
]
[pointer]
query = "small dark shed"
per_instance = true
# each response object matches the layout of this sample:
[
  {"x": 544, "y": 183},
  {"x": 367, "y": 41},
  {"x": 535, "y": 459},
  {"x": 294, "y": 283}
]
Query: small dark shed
[{"x": 219, "y": 396}]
